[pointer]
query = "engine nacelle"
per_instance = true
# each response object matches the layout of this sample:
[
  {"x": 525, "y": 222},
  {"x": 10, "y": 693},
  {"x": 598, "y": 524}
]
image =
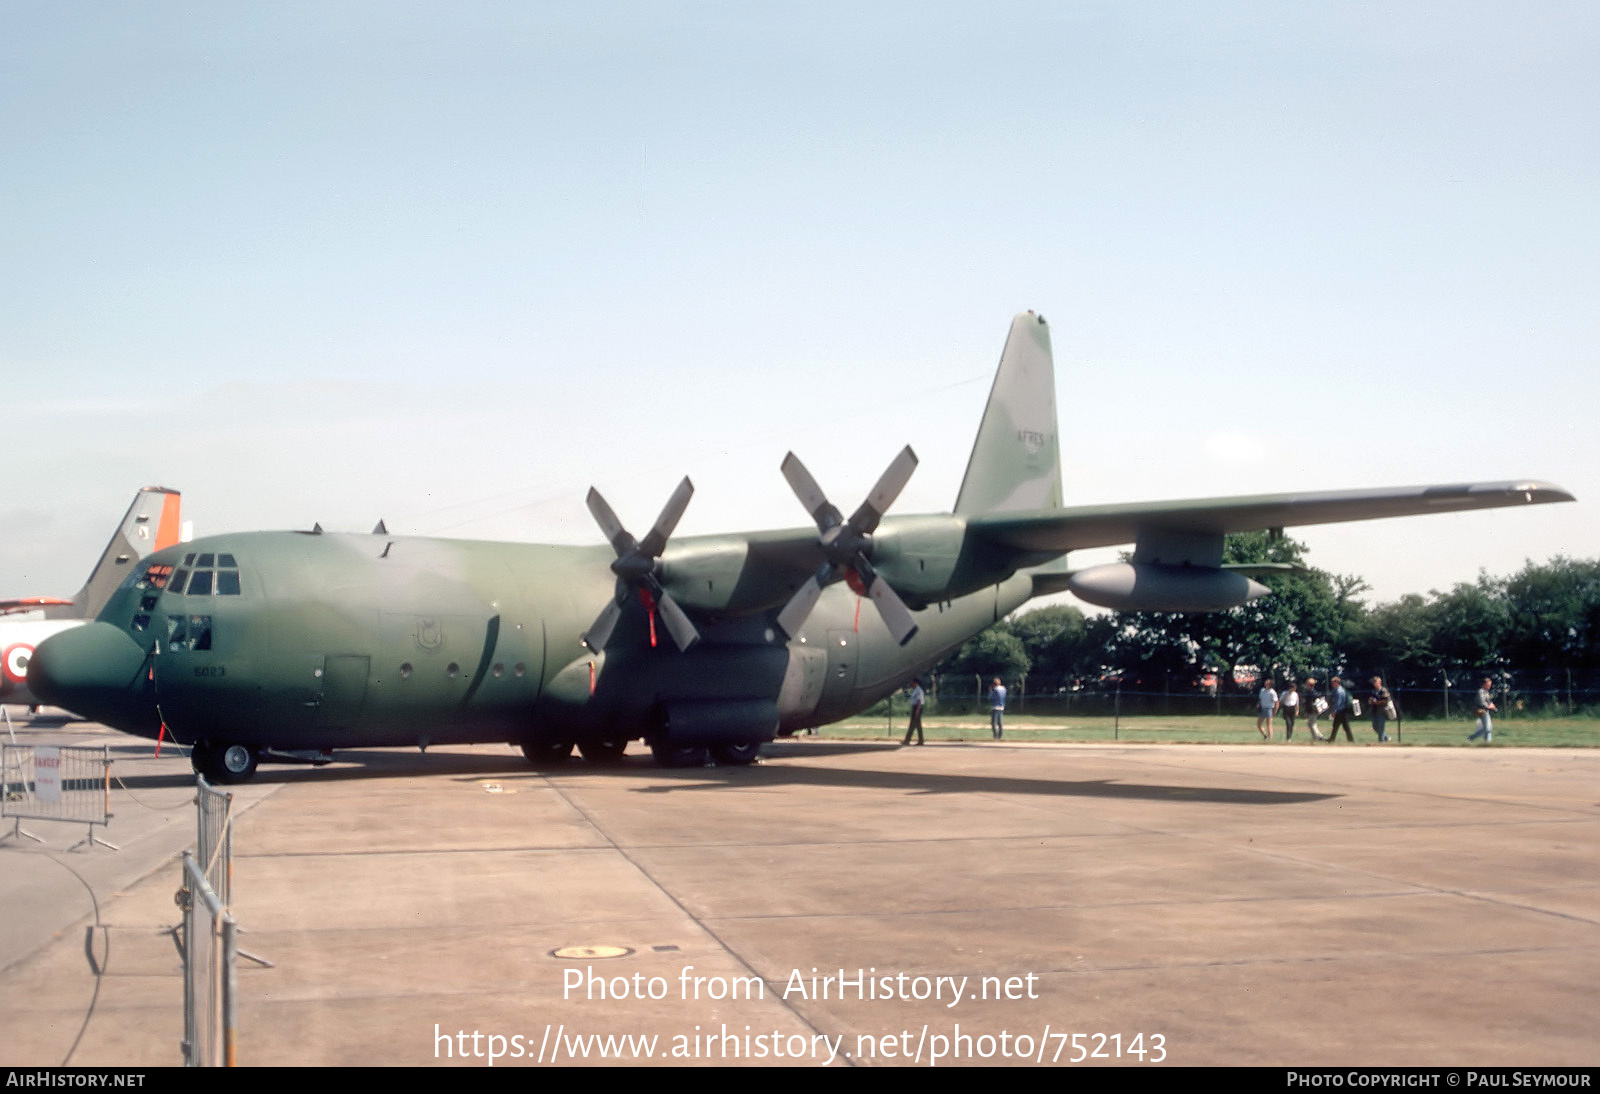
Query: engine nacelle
[
  {"x": 724, "y": 721},
  {"x": 1144, "y": 587}
]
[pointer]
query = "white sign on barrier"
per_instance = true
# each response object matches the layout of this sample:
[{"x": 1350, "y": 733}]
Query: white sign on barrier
[{"x": 47, "y": 773}]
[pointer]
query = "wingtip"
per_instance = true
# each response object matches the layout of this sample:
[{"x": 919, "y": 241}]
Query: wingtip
[{"x": 1541, "y": 493}]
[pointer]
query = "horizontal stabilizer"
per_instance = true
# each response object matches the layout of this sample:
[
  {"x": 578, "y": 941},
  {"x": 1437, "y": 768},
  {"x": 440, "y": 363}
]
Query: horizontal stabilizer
[{"x": 32, "y": 603}]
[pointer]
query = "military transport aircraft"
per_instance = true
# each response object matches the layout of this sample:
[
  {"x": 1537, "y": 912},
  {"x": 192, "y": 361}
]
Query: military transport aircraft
[
  {"x": 152, "y": 522},
  {"x": 290, "y": 644}
]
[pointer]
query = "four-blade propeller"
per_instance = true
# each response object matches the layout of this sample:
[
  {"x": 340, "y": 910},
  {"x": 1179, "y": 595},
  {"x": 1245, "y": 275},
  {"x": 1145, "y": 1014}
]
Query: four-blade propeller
[
  {"x": 637, "y": 567},
  {"x": 847, "y": 545}
]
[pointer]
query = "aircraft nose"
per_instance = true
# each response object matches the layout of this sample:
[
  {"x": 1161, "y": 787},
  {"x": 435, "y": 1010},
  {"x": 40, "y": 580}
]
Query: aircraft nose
[{"x": 88, "y": 670}]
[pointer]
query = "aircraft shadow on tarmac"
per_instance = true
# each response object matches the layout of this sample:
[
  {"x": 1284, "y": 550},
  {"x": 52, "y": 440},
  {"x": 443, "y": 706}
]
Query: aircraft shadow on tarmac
[{"x": 385, "y": 764}]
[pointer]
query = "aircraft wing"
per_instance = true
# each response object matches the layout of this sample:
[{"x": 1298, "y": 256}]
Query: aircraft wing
[{"x": 1077, "y": 528}]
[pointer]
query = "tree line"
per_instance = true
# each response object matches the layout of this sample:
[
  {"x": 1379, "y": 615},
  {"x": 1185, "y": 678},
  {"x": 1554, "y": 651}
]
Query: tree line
[{"x": 1537, "y": 631}]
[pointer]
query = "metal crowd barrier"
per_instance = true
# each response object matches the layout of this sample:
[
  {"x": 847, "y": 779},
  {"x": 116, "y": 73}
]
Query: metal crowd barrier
[
  {"x": 59, "y": 783},
  {"x": 210, "y": 977},
  {"x": 214, "y": 838},
  {"x": 210, "y": 962}
]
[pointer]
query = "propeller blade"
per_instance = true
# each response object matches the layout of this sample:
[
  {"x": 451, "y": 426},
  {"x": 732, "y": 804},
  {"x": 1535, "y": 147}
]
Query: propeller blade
[
  {"x": 678, "y": 624},
  {"x": 810, "y": 494},
  {"x": 656, "y": 541},
  {"x": 609, "y": 524},
  {"x": 599, "y": 633},
  {"x": 795, "y": 613},
  {"x": 893, "y": 480},
  {"x": 635, "y": 567},
  {"x": 896, "y": 616}
]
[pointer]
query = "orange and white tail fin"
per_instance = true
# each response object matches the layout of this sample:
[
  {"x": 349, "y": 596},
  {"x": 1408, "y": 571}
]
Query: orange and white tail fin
[{"x": 152, "y": 522}]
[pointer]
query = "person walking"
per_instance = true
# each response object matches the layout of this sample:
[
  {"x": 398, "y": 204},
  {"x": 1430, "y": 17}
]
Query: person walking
[
  {"x": 1313, "y": 702},
  {"x": 1485, "y": 705},
  {"x": 1382, "y": 709},
  {"x": 1266, "y": 707},
  {"x": 917, "y": 699},
  {"x": 1289, "y": 703},
  {"x": 1339, "y": 707}
]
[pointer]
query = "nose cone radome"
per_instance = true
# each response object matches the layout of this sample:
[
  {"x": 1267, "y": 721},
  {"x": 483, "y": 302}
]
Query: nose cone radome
[{"x": 91, "y": 670}]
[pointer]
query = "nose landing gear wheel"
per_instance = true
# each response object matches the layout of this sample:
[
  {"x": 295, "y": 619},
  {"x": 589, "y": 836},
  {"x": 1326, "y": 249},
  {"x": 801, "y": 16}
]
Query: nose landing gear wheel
[{"x": 224, "y": 763}]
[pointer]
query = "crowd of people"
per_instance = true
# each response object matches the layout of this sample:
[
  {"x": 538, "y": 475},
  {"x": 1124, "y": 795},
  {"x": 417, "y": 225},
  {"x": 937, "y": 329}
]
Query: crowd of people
[
  {"x": 1340, "y": 706},
  {"x": 1296, "y": 701}
]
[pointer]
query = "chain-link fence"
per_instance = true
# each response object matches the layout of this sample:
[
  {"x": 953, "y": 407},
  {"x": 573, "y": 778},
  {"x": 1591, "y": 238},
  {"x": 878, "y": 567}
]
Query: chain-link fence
[{"x": 1517, "y": 693}]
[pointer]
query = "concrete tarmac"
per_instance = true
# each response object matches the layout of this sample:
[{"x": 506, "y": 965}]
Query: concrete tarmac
[{"x": 1119, "y": 904}]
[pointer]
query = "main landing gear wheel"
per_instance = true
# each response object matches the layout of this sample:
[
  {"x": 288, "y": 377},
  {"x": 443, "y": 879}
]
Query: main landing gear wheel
[
  {"x": 547, "y": 753},
  {"x": 679, "y": 755},
  {"x": 735, "y": 755},
  {"x": 224, "y": 763},
  {"x": 603, "y": 750}
]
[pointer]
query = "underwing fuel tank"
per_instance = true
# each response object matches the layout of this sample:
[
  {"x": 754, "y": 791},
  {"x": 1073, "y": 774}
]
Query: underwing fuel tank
[{"x": 1144, "y": 587}]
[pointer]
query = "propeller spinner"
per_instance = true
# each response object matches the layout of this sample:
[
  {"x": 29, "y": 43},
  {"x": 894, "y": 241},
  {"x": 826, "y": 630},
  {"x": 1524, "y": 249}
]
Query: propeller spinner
[
  {"x": 846, "y": 544},
  {"x": 637, "y": 567}
]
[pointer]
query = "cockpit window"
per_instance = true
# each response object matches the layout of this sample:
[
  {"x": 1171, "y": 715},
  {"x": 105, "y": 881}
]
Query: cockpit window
[
  {"x": 191, "y": 632},
  {"x": 212, "y": 575},
  {"x": 155, "y": 576}
]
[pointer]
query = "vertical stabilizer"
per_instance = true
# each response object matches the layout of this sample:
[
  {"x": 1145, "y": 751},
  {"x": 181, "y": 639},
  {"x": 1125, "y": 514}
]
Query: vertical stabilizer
[
  {"x": 152, "y": 522},
  {"x": 1015, "y": 463}
]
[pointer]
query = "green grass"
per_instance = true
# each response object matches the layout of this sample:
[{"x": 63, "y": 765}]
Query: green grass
[{"x": 1227, "y": 729}]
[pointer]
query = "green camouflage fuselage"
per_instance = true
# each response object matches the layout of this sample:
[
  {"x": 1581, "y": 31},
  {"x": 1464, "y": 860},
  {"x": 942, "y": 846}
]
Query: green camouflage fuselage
[{"x": 339, "y": 641}]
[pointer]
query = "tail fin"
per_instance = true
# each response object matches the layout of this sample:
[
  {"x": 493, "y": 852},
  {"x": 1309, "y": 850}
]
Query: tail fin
[
  {"x": 1015, "y": 463},
  {"x": 152, "y": 522}
]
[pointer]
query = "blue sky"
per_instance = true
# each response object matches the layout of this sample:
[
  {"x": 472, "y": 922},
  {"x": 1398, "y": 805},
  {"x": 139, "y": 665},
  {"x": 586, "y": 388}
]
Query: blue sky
[{"x": 452, "y": 264}]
